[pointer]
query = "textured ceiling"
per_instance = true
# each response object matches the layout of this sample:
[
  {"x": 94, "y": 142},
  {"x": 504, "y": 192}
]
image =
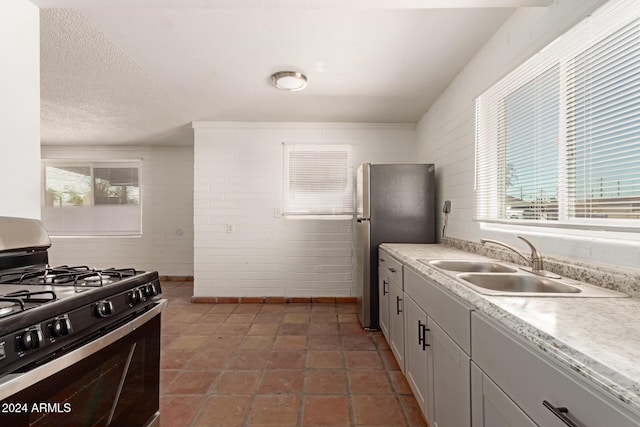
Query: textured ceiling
[
  {"x": 94, "y": 93},
  {"x": 142, "y": 75}
]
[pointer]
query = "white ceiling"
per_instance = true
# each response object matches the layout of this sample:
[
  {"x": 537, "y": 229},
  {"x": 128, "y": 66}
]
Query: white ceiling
[{"x": 140, "y": 75}]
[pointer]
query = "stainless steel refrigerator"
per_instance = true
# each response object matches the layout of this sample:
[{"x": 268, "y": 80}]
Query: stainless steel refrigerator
[{"x": 395, "y": 204}]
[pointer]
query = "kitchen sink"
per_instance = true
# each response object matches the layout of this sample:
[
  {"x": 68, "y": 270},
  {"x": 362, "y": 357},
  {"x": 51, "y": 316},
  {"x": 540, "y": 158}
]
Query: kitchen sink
[
  {"x": 501, "y": 279},
  {"x": 518, "y": 283},
  {"x": 472, "y": 266}
]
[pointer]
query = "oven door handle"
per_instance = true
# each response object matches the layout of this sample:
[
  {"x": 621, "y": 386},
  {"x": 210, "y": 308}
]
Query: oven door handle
[{"x": 14, "y": 383}]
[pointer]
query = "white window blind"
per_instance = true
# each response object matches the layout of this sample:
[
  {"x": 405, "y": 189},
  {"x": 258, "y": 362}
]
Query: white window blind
[
  {"x": 318, "y": 179},
  {"x": 558, "y": 139}
]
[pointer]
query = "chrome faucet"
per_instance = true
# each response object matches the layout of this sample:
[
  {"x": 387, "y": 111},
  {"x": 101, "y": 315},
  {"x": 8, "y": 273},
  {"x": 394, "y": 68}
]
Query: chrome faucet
[{"x": 535, "y": 259}]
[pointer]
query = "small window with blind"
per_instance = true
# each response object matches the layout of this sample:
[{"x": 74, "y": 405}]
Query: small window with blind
[
  {"x": 91, "y": 198},
  {"x": 558, "y": 139},
  {"x": 317, "y": 180}
]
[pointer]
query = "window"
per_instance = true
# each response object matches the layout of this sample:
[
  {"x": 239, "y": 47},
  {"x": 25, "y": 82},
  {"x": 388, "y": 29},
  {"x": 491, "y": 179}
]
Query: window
[
  {"x": 558, "y": 139},
  {"x": 318, "y": 180},
  {"x": 531, "y": 123},
  {"x": 91, "y": 198}
]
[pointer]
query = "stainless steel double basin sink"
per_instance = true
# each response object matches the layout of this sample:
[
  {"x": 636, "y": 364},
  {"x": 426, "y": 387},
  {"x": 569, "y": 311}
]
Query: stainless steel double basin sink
[{"x": 502, "y": 279}]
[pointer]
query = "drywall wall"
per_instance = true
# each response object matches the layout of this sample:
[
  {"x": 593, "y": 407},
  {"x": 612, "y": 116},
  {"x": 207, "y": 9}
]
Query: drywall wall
[
  {"x": 238, "y": 181},
  {"x": 20, "y": 109}
]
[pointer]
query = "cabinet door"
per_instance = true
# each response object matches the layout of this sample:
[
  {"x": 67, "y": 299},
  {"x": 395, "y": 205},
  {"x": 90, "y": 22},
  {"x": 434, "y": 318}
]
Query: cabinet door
[
  {"x": 491, "y": 407},
  {"x": 383, "y": 294},
  {"x": 451, "y": 380},
  {"x": 396, "y": 322},
  {"x": 416, "y": 353}
]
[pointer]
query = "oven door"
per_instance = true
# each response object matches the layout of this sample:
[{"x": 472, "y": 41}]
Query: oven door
[{"x": 110, "y": 381}]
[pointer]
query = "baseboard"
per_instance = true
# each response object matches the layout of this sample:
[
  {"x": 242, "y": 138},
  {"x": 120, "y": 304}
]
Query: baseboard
[
  {"x": 176, "y": 278},
  {"x": 273, "y": 300}
]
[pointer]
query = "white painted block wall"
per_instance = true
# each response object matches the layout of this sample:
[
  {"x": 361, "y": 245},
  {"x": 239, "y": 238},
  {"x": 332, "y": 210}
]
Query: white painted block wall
[
  {"x": 238, "y": 181},
  {"x": 20, "y": 109},
  {"x": 166, "y": 243},
  {"x": 445, "y": 136}
]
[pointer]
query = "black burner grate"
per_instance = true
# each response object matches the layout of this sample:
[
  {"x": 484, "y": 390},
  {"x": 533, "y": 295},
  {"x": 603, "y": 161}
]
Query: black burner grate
[
  {"x": 66, "y": 275},
  {"x": 21, "y": 298}
]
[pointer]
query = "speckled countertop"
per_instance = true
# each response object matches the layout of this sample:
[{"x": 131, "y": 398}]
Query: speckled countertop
[{"x": 598, "y": 338}]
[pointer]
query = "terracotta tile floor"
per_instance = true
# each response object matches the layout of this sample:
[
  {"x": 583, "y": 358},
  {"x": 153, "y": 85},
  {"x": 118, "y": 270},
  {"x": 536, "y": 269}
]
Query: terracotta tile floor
[{"x": 276, "y": 365}]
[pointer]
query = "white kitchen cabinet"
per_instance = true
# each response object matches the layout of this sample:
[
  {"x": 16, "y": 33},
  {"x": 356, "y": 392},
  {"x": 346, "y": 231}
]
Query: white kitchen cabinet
[
  {"x": 396, "y": 322},
  {"x": 383, "y": 298},
  {"x": 391, "y": 303},
  {"x": 451, "y": 313},
  {"x": 491, "y": 407},
  {"x": 437, "y": 370},
  {"x": 391, "y": 266},
  {"x": 417, "y": 353},
  {"x": 450, "y": 380},
  {"x": 437, "y": 365},
  {"x": 509, "y": 382},
  {"x": 546, "y": 392}
]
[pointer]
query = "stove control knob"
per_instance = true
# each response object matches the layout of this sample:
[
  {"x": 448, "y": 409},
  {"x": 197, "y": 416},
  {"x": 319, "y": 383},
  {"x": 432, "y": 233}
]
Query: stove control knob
[
  {"x": 29, "y": 340},
  {"x": 151, "y": 290},
  {"x": 134, "y": 297},
  {"x": 60, "y": 327},
  {"x": 141, "y": 294},
  {"x": 104, "y": 309}
]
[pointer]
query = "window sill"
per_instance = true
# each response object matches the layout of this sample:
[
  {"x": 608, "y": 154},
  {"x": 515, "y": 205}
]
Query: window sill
[
  {"x": 319, "y": 217},
  {"x": 563, "y": 230},
  {"x": 96, "y": 236}
]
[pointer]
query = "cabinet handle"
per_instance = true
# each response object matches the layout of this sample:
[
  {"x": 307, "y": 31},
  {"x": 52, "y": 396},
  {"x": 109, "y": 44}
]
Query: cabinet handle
[
  {"x": 560, "y": 413},
  {"x": 384, "y": 287},
  {"x": 424, "y": 337},
  {"x": 398, "y": 299},
  {"x": 393, "y": 270}
]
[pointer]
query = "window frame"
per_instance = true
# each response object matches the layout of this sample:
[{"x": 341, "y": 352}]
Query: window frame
[
  {"x": 93, "y": 164},
  {"x": 489, "y": 161}
]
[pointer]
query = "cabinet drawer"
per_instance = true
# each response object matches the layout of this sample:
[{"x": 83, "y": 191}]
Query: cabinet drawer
[
  {"x": 383, "y": 259},
  {"x": 529, "y": 379},
  {"x": 391, "y": 265},
  {"x": 450, "y": 313}
]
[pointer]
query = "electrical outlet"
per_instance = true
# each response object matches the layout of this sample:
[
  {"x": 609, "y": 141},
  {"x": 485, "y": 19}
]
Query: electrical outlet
[
  {"x": 277, "y": 213},
  {"x": 231, "y": 228}
]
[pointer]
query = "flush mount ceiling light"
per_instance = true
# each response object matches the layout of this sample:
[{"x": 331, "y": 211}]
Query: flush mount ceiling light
[{"x": 289, "y": 80}]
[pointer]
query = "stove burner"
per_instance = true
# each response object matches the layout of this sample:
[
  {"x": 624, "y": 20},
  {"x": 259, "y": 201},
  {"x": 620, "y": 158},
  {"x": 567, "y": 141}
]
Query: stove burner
[
  {"x": 22, "y": 300},
  {"x": 7, "y": 307}
]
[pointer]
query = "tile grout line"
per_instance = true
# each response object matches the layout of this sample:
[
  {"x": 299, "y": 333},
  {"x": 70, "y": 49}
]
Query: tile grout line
[{"x": 342, "y": 327}]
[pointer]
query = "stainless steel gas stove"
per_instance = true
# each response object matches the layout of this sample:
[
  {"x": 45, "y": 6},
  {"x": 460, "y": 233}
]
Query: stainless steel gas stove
[{"x": 78, "y": 345}]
